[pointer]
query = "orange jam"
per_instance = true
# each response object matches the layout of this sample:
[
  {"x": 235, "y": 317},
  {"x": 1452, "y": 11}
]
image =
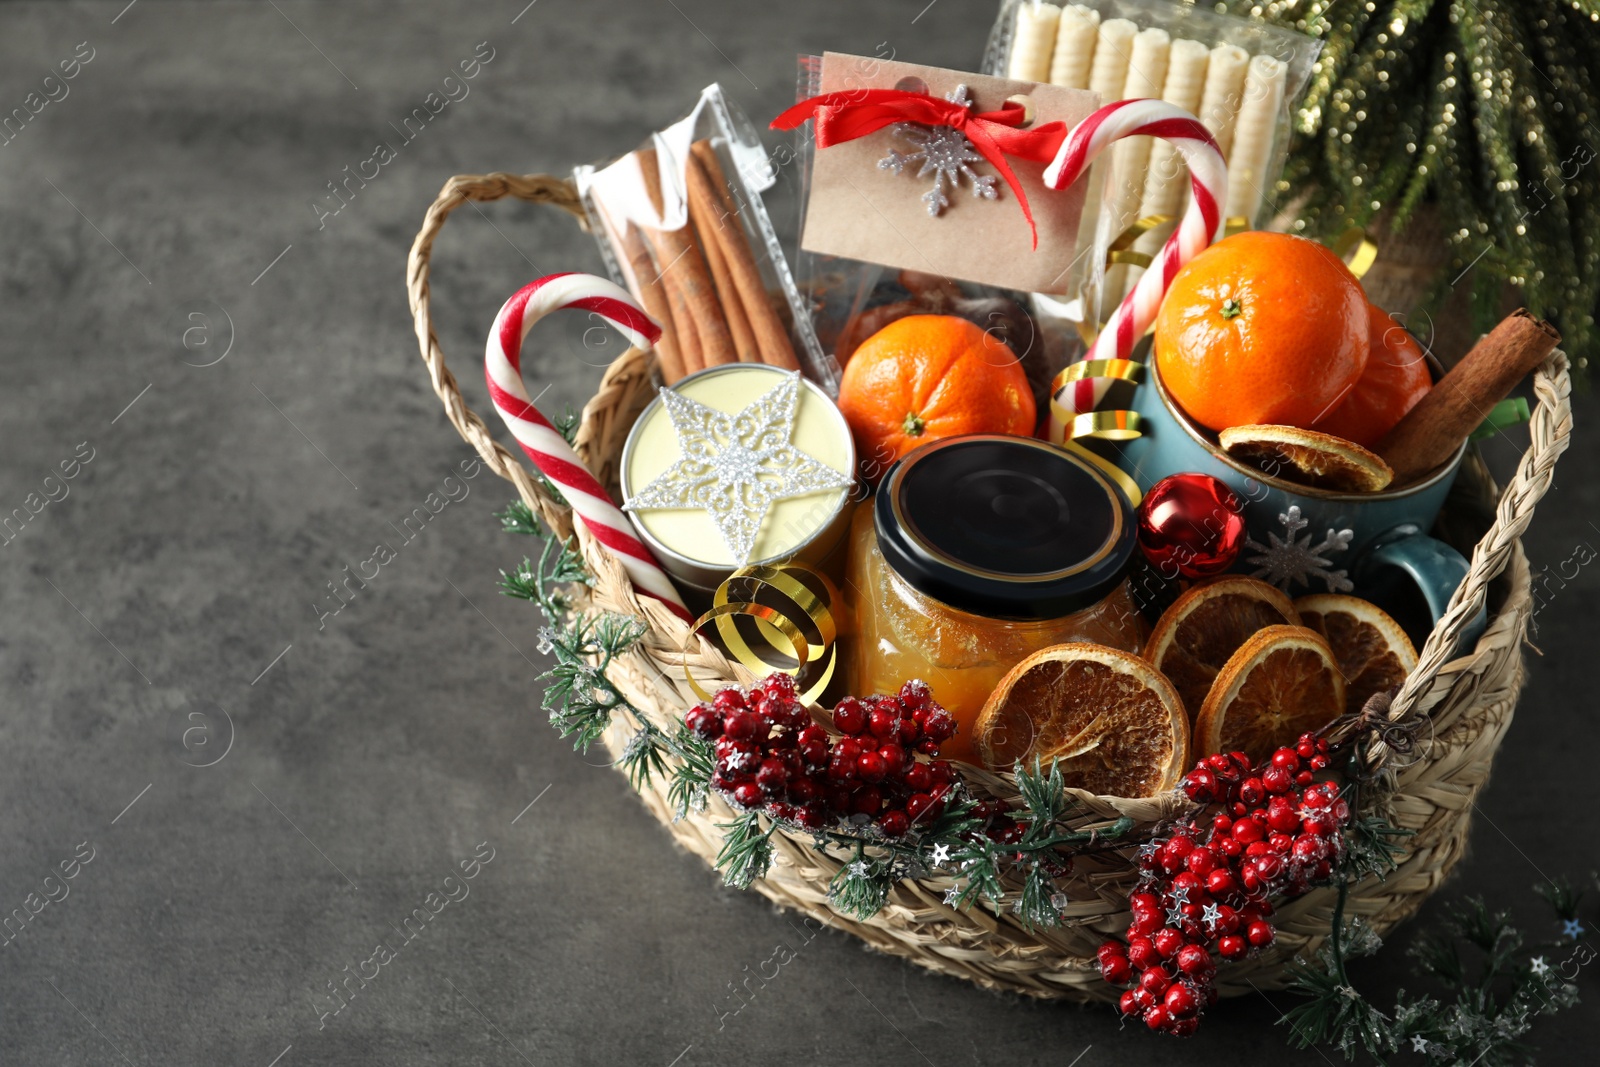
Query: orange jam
[{"x": 998, "y": 547}]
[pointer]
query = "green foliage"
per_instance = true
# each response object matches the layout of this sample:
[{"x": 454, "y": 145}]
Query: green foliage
[
  {"x": 746, "y": 852},
  {"x": 1490, "y": 993}
]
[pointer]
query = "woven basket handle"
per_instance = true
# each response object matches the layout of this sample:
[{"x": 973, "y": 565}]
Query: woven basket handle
[
  {"x": 536, "y": 189},
  {"x": 1550, "y": 430}
]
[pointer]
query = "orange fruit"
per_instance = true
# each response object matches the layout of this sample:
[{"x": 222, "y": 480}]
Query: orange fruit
[
  {"x": 926, "y": 377},
  {"x": 1206, "y": 625},
  {"x": 1395, "y": 379},
  {"x": 1374, "y": 653},
  {"x": 1262, "y": 328},
  {"x": 1281, "y": 683},
  {"x": 1113, "y": 723},
  {"x": 1308, "y": 457}
]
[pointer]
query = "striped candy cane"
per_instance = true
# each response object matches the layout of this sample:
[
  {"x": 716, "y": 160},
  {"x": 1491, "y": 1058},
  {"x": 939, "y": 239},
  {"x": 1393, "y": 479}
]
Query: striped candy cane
[
  {"x": 502, "y": 368},
  {"x": 1202, "y": 222}
]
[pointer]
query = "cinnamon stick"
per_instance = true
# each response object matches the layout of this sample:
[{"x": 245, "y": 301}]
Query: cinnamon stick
[
  {"x": 1431, "y": 432},
  {"x": 771, "y": 337},
  {"x": 705, "y": 211},
  {"x": 688, "y": 284},
  {"x": 653, "y": 295}
]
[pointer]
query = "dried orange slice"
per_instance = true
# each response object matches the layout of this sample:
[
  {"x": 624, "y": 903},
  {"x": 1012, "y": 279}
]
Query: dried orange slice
[
  {"x": 1196, "y": 635},
  {"x": 1374, "y": 653},
  {"x": 1283, "y": 682},
  {"x": 1307, "y": 457},
  {"x": 1115, "y": 725}
]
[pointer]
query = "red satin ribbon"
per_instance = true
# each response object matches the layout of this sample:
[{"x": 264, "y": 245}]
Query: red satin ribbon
[{"x": 845, "y": 116}]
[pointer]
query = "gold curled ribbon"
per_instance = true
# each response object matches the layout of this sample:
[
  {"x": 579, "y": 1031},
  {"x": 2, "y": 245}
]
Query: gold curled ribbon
[
  {"x": 1358, "y": 250},
  {"x": 1067, "y": 426},
  {"x": 780, "y": 629}
]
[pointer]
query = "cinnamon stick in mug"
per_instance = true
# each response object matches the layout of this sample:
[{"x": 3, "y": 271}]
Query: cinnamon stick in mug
[
  {"x": 1431, "y": 432},
  {"x": 687, "y": 280},
  {"x": 772, "y": 338}
]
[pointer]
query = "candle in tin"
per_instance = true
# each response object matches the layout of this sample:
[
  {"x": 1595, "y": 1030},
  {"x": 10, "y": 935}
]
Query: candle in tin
[{"x": 738, "y": 465}]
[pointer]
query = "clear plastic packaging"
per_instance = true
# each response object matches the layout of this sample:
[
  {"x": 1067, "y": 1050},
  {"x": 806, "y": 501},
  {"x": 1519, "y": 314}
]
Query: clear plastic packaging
[
  {"x": 849, "y": 300},
  {"x": 681, "y": 225}
]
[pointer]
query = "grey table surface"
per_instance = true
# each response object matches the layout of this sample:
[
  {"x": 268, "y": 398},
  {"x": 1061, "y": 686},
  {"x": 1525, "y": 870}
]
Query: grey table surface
[{"x": 267, "y": 788}]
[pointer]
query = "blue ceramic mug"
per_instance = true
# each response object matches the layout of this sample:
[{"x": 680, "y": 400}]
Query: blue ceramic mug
[{"x": 1310, "y": 540}]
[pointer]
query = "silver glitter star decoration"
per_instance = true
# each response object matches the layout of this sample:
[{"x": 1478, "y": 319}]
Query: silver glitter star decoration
[
  {"x": 735, "y": 467},
  {"x": 952, "y": 896},
  {"x": 940, "y": 856},
  {"x": 1294, "y": 560},
  {"x": 945, "y": 153},
  {"x": 1211, "y": 915}
]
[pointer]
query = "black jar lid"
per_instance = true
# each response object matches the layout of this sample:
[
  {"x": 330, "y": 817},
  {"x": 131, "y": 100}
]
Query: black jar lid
[{"x": 1004, "y": 526}]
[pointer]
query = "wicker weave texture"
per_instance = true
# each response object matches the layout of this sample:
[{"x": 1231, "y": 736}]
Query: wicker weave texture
[{"x": 1468, "y": 698}]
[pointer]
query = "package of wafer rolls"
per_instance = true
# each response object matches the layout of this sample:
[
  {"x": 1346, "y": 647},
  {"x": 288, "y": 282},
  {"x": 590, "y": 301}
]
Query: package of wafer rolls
[
  {"x": 682, "y": 226},
  {"x": 1240, "y": 76}
]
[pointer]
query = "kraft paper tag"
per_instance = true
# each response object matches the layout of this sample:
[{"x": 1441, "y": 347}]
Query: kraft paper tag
[{"x": 859, "y": 210}]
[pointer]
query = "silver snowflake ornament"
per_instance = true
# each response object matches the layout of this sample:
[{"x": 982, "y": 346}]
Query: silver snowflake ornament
[
  {"x": 1294, "y": 560},
  {"x": 735, "y": 467},
  {"x": 945, "y": 153}
]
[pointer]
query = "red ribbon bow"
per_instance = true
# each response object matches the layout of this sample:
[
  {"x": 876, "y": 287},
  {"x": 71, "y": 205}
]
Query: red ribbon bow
[{"x": 845, "y": 116}]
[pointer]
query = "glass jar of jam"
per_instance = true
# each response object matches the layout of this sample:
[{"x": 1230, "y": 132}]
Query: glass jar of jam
[{"x": 977, "y": 552}]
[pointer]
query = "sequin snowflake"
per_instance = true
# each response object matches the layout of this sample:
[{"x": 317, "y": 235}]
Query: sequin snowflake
[
  {"x": 1294, "y": 560},
  {"x": 945, "y": 153},
  {"x": 736, "y": 467}
]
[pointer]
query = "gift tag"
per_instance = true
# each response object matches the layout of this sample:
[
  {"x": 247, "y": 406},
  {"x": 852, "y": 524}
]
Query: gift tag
[{"x": 924, "y": 198}]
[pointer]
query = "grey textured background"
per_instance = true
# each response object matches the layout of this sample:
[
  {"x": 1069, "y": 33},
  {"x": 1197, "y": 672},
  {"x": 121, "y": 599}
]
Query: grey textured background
[{"x": 175, "y": 584}]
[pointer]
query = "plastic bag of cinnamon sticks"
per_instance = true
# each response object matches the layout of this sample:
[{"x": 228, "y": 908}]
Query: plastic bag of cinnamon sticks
[{"x": 681, "y": 225}]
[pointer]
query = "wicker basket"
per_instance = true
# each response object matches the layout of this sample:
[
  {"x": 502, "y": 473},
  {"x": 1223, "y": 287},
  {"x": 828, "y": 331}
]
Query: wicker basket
[{"x": 1469, "y": 700}]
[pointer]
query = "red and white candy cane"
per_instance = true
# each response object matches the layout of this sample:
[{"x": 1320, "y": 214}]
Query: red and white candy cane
[
  {"x": 502, "y": 368},
  {"x": 1201, "y": 224}
]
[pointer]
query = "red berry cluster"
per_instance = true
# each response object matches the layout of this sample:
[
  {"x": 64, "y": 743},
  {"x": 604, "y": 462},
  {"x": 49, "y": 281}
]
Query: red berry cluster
[
  {"x": 771, "y": 755},
  {"x": 1207, "y": 888}
]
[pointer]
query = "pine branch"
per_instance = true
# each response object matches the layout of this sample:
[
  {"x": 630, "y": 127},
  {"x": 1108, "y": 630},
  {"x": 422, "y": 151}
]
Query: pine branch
[{"x": 746, "y": 852}]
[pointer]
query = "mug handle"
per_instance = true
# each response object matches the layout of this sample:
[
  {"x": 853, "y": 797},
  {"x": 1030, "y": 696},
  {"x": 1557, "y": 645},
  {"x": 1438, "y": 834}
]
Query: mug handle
[{"x": 1435, "y": 567}]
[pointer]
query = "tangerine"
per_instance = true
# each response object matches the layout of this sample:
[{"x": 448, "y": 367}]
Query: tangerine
[
  {"x": 1395, "y": 379},
  {"x": 1262, "y": 328},
  {"x": 926, "y": 377}
]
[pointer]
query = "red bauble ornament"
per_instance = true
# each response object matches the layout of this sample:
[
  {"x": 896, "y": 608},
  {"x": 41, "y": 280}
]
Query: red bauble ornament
[{"x": 1191, "y": 526}]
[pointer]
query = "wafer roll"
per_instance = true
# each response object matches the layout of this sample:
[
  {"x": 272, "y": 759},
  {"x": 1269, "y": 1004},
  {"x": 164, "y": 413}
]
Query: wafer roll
[
  {"x": 1033, "y": 42},
  {"x": 1076, "y": 34},
  {"x": 1147, "y": 75},
  {"x": 1167, "y": 181},
  {"x": 1248, "y": 179},
  {"x": 1224, "y": 92},
  {"x": 1107, "y": 75}
]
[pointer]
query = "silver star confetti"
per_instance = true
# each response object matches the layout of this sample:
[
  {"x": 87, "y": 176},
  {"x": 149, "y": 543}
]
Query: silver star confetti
[
  {"x": 859, "y": 869},
  {"x": 735, "y": 467},
  {"x": 952, "y": 896},
  {"x": 1211, "y": 914},
  {"x": 1572, "y": 928},
  {"x": 1296, "y": 561},
  {"x": 944, "y": 152},
  {"x": 940, "y": 856},
  {"x": 1539, "y": 966},
  {"x": 1419, "y": 1044}
]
